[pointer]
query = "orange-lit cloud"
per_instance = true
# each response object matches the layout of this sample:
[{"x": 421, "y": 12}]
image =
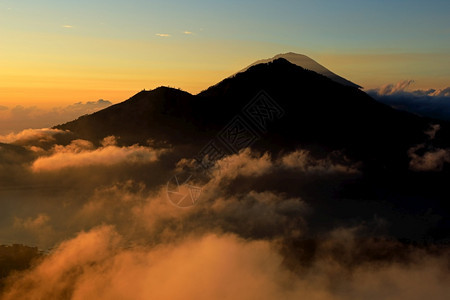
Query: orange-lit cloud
[
  {"x": 25, "y": 136},
  {"x": 32, "y": 224},
  {"x": 249, "y": 164},
  {"x": 432, "y": 160},
  {"x": 38, "y": 227},
  {"x": 80, "y": 153},
  {"x": 302, "y": 160},
  {"x": 98, "y": 265},
  {"x": 130, "y": 242}
]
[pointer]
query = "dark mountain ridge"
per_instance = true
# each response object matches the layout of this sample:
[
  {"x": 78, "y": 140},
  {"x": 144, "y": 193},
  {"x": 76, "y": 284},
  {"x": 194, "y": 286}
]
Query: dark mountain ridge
[{"x": 319, "y": 112}]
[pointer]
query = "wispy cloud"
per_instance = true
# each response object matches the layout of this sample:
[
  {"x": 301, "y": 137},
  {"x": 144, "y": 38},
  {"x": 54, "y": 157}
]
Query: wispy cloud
[
  {"x": 163, "y": 34},
  {"x": 188, "y": 32},
  {"x": 67, "y": 26}
]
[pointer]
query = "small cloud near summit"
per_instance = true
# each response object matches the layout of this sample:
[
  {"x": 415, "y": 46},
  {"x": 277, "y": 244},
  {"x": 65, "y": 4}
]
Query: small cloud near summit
[
  {"x": 67, "y": 26},
  {"x": 163, "y": 34}
]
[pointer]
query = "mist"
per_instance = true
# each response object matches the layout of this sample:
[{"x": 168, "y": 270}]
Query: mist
[{"x": 102, "y": 215}]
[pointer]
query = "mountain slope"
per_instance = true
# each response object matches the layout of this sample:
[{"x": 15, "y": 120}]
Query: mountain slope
[
  {"x": 155, "y": 114},
  {"x": 322, "y": 112}
]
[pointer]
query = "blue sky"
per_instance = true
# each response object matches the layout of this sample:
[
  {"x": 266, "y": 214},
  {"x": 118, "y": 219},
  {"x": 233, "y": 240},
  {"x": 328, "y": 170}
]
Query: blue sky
[{"x": 342, "y": 25}]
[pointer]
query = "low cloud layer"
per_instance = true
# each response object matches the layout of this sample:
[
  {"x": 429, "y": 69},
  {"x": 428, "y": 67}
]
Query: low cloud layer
[
  {"x": 105, "y": 216},
  {"x": 98, "y": 265},
  {"x": 18, "y": 118},
  {"x": 433, "y": 103}
]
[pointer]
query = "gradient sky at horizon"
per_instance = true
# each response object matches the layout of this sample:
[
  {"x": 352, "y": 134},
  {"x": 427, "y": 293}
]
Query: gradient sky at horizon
[{"x": 59, "y": 52}]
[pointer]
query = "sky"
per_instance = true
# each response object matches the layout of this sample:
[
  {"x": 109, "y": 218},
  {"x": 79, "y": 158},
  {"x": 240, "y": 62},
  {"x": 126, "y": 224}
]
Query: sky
[
  {"x": 101, "y": 211},
  {"x": 57, "y": 53}
]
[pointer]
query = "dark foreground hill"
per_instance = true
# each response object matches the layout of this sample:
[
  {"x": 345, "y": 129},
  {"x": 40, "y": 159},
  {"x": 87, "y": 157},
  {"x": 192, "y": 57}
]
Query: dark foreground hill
[{"x": 307, "y": 111}]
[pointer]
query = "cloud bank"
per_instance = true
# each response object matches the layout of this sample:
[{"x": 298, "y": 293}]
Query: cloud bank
[
  {"x": 429, "y": 103},
  {"x": 104, "y": 212},
  {"x": 98, "y": 265},
  {"x": 18, "y": 118}
]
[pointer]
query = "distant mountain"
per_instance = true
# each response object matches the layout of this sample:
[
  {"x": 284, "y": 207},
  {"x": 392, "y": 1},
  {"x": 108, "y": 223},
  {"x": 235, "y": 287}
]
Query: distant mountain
[{"x": 306, "y": 63}]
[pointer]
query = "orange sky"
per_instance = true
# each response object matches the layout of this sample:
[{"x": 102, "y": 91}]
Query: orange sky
[
  {"x": 47, "y": 85},
  {"x": 55, "y": 53}
]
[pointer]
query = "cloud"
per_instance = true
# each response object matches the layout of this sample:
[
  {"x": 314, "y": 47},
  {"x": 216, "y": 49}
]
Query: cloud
[
  {"x": 67, "y": 26},
  {"x": 302, "y": 160},
  {"x": 115, "y": 183},
  {"x": 3, "y": 107},
  {"x": 429, "y": 103},
  {"x": 32, "y": 224},
  {"x": 250, "y": 164},
  {"x": 38, "y": 227},
  {"x": 81, "y": 153},
  {"x": 19, "y": 118},
  {"x": 434, "y": 128},
  {"x": 80, "y": 108},
  {"x": 163, "y": 34},
  {"x": 105, "y": 212},
  {"x": 98, "y": 264},
  {"x": 29, "y": 135},
  {"x": 431, "y": 160},
  {"x": 109, "y": 141},
  {"x": 424, "y": 157},
  {"x": 245, "y": 163},
  {"x": 188, "y": 32},
  {"x": 66, "y": 174}
]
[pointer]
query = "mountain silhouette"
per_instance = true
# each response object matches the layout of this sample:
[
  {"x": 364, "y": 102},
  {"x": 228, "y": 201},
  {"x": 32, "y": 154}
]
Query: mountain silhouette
[
  {"x": 319, "y": 112},
  {"x": 306, "y": 63},
  {"x": 316, "y": 113}
]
